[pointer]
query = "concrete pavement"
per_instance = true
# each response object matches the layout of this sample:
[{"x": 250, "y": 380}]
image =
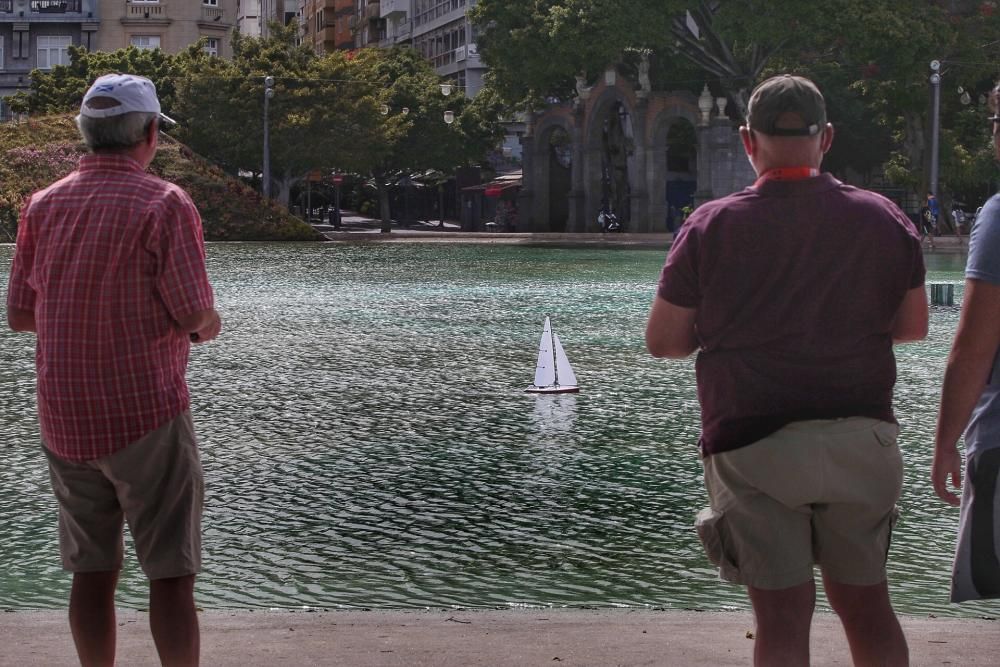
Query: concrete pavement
[{"x": 495, "y": 638}]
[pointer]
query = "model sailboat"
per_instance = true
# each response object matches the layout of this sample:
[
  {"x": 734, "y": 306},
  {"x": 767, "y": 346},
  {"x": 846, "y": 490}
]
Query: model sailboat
[{"x": 553, "y": 374}]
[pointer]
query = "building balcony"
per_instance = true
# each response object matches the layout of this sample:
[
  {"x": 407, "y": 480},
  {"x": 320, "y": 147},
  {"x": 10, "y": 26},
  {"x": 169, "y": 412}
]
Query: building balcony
[
  {"x": 211, "y": 14},
  {"x": 373, "y": 10},
  {"x": 395, "y": 9},
  {"x": 55, "y": 6},
  {"x": 146, "y": 12}
]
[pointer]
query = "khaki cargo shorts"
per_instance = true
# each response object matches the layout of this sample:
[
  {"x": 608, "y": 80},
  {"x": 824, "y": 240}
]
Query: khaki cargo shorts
[
  {"x": 155, "y": 484},
  {"x": 815, "y": 492}
]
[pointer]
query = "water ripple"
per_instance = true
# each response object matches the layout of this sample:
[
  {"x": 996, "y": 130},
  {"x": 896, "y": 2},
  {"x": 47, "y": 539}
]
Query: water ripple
[{"x": 366, "y": 441}]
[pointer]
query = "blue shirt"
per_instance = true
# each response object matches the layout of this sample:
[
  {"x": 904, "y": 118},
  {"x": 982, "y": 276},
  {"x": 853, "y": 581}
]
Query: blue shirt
[{"x": 984, "y": 264}]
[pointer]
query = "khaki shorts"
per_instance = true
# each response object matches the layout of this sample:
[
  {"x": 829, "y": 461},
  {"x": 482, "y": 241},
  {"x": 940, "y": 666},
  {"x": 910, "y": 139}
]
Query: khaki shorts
[
  {"x": 815, "y": 492},
  {"x": 155, "y": 484}
]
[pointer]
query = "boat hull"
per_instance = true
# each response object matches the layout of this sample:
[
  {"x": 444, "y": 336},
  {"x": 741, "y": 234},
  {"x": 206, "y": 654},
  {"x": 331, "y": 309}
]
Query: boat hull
[{"x": 552, "y": 390}]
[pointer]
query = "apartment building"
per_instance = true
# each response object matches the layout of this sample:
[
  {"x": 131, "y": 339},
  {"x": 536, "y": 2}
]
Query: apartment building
[
  {"x": 438, "y": 29},
  {"x": 327, "y": 25},
  {"x": 37, "y": 34},
  {"x": 170, "y": 25},
  {"x": 254, "y": 17}
]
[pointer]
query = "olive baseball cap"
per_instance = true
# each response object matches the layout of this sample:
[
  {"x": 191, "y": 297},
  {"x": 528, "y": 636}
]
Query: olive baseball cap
[
  {"x": 786, "y": 93},
  {"x": 131, "y": 92}
]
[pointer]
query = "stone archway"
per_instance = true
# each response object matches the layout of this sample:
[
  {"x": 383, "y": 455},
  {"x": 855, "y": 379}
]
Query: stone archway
[
  {"x": 673, "y": 157},
  {"x": 560, "y": 177},
  {"x": 550, "y": 169},
  {"x": 610, "y": 175}
]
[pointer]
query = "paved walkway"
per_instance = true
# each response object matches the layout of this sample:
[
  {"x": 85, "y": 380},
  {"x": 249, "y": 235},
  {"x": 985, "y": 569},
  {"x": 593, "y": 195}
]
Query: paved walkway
[
  {"x": 509, "y": 638},
  {"x": 361, "y": 229}
]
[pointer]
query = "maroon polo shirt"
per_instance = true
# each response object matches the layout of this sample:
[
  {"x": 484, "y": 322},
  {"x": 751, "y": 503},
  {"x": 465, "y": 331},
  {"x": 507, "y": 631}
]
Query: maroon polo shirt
[{"x": 796, "y": 285}]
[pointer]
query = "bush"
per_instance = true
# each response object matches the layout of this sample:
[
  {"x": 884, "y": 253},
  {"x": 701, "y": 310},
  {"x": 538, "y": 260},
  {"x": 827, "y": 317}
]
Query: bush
[{"x": 40, "y": 151}]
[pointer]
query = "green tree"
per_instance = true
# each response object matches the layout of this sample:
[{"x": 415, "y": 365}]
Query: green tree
[
  {"x": 61, "y": 89},
  {"x": 869, "y": 56},
  {"x": 420, "y": 139},
  {"x": 319, "y": 118}
]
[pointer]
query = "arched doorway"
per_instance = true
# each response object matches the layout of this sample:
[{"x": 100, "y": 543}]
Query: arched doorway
[
  {"x": 560, "y": 169},
  {"x": 681, "y": 170},
  {"x": 617, "y": 163}
]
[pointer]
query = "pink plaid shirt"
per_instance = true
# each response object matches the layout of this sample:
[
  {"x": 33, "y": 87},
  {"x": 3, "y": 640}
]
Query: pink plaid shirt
[{"x": 109, "y": 259}]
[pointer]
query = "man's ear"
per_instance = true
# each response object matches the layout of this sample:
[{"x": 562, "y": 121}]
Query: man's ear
[
  {"x": 153, "y": 132},
  {"x": 747, "y": 136},
  {"x": 827, "y": 139}
]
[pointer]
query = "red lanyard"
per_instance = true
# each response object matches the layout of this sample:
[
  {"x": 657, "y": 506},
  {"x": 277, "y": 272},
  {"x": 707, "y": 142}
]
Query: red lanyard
[{"x": 787, "y": 174}]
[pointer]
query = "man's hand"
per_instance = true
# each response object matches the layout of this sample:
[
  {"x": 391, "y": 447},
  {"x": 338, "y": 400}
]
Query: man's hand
[
  {"x": 947, "y": 463},
  {"x": 202, "y": 326},
  {"x": 209, "y": 331}
]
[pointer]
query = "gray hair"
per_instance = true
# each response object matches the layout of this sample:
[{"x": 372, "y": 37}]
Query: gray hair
[{"x": 115, "y": 133}]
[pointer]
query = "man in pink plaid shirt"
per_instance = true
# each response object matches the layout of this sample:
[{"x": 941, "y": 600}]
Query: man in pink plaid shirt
[{"x": 109, "y": 272}]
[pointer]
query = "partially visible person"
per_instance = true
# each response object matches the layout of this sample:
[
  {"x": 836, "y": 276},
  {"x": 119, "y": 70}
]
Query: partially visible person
[
  {"x": 925, "y": 224},
  {"x": 109, "y": 272},
  {"x": 970, "y": 402},
  {"x": 934, "y": 210},
  {"x": 792, "y": 293}
]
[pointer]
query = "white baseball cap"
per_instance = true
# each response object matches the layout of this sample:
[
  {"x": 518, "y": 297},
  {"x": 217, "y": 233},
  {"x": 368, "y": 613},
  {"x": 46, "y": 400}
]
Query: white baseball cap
[{"x": 133, "y": 93}]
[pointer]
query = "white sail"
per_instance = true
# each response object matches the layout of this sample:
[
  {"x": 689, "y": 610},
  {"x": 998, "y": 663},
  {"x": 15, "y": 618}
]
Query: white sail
[
  {"x": 564, "y": 372},
  {"x": 545, "y": 372}
]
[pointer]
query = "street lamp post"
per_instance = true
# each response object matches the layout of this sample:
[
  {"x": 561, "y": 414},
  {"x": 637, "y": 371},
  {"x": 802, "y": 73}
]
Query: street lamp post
[
  {"x": 935, "y": 80},
  {"x": 266, "y": 176}
]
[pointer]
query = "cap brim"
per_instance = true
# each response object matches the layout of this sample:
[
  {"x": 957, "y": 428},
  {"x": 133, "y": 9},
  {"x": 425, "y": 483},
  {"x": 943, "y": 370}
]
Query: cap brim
[{"x": 167, "y": 121}]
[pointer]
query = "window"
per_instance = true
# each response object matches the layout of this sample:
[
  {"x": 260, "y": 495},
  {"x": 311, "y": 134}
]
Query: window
[
  {"x": 212, "y": 46},
  {"x": 52, "y": 50},
  {"x": 145, "y": 41},
  {"x": 210, "y": 3}
]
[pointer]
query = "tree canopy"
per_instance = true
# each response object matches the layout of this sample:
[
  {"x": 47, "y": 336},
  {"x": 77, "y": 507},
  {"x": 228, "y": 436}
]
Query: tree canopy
[
  {"x": 870, "y": 57},
  {"x": 324, "y": 114}
]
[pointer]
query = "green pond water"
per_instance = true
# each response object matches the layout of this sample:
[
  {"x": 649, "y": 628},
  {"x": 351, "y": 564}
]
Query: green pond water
[{"x": 367, "y": 443}]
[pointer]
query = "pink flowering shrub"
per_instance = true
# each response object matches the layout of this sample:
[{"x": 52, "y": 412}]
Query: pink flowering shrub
[{"x": 40, "y": 151}]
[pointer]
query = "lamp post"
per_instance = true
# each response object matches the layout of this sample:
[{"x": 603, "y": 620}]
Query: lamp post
[
  {"x": 935, "y": 80},
  {"x": 266, "y": 176}
]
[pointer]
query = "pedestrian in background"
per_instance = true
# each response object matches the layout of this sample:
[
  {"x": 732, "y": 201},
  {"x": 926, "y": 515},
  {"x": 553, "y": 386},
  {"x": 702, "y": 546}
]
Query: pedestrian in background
[
  {"x": 792, "y": 292},
  {"x": 109, "y": 272},
  {"x": 970, "y": 402}
]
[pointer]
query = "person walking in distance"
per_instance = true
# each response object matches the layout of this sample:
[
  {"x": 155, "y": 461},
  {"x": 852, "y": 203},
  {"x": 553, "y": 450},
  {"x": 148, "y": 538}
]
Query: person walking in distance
[
  {"x": 970, "y": 402},
  {"x": 793, "y": 292},
  {"x": 109, "y": 272}
]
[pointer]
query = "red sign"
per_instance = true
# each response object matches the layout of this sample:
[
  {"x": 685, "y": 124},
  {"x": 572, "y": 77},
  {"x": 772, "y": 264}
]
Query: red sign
[
  {"x": 493, "y": 191},
  {"x": 338, "y": 178}
]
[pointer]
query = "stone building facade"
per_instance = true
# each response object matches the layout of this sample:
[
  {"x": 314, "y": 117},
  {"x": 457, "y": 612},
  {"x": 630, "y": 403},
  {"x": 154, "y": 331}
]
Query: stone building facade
[
  {"x": 171, "y": 25},
  {"x": 639, "y": 153},
  {"x": 38, "y": 34}
]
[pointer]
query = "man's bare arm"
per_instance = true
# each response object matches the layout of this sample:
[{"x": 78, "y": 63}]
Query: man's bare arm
[
  {"x": 911, "y": 319},
  {"x": 969, "y": 364},
  {"x": 670, "y": 331}
]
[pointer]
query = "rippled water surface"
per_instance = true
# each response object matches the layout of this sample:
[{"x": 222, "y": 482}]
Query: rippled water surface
[{"x": 367, "y": 444}]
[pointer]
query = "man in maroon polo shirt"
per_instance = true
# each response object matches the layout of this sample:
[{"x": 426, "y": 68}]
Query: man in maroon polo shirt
[
  {"x": 793, "y": 292},
  {"x": 109, "y": 272}
]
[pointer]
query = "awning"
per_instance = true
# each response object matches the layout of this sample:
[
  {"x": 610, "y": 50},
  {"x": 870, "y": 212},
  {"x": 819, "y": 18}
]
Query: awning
[{"x": 497, "y": 186}]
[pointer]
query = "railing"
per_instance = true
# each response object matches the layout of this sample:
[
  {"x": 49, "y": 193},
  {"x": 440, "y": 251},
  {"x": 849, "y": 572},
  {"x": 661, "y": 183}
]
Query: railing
[
  {"x": 55, "y": 6},
  {"x": 145, "y": 10},
  {"x": 211, "y": 13}
]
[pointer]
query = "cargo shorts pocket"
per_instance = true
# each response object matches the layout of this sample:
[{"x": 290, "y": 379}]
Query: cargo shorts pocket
[{"x": 711, "y": 527}]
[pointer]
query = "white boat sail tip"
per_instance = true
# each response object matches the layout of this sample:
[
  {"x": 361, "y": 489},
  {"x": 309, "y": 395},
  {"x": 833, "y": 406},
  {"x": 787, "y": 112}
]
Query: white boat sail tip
[{"x": 553, "y": 373}]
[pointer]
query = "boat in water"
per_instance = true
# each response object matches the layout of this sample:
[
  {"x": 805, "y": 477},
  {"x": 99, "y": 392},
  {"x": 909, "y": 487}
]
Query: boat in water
[{"x": 553, "y": 373}]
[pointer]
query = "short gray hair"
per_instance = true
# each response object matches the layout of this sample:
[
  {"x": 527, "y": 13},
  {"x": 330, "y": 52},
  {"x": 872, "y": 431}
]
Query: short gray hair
[{"x": 115, "y": 132}]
